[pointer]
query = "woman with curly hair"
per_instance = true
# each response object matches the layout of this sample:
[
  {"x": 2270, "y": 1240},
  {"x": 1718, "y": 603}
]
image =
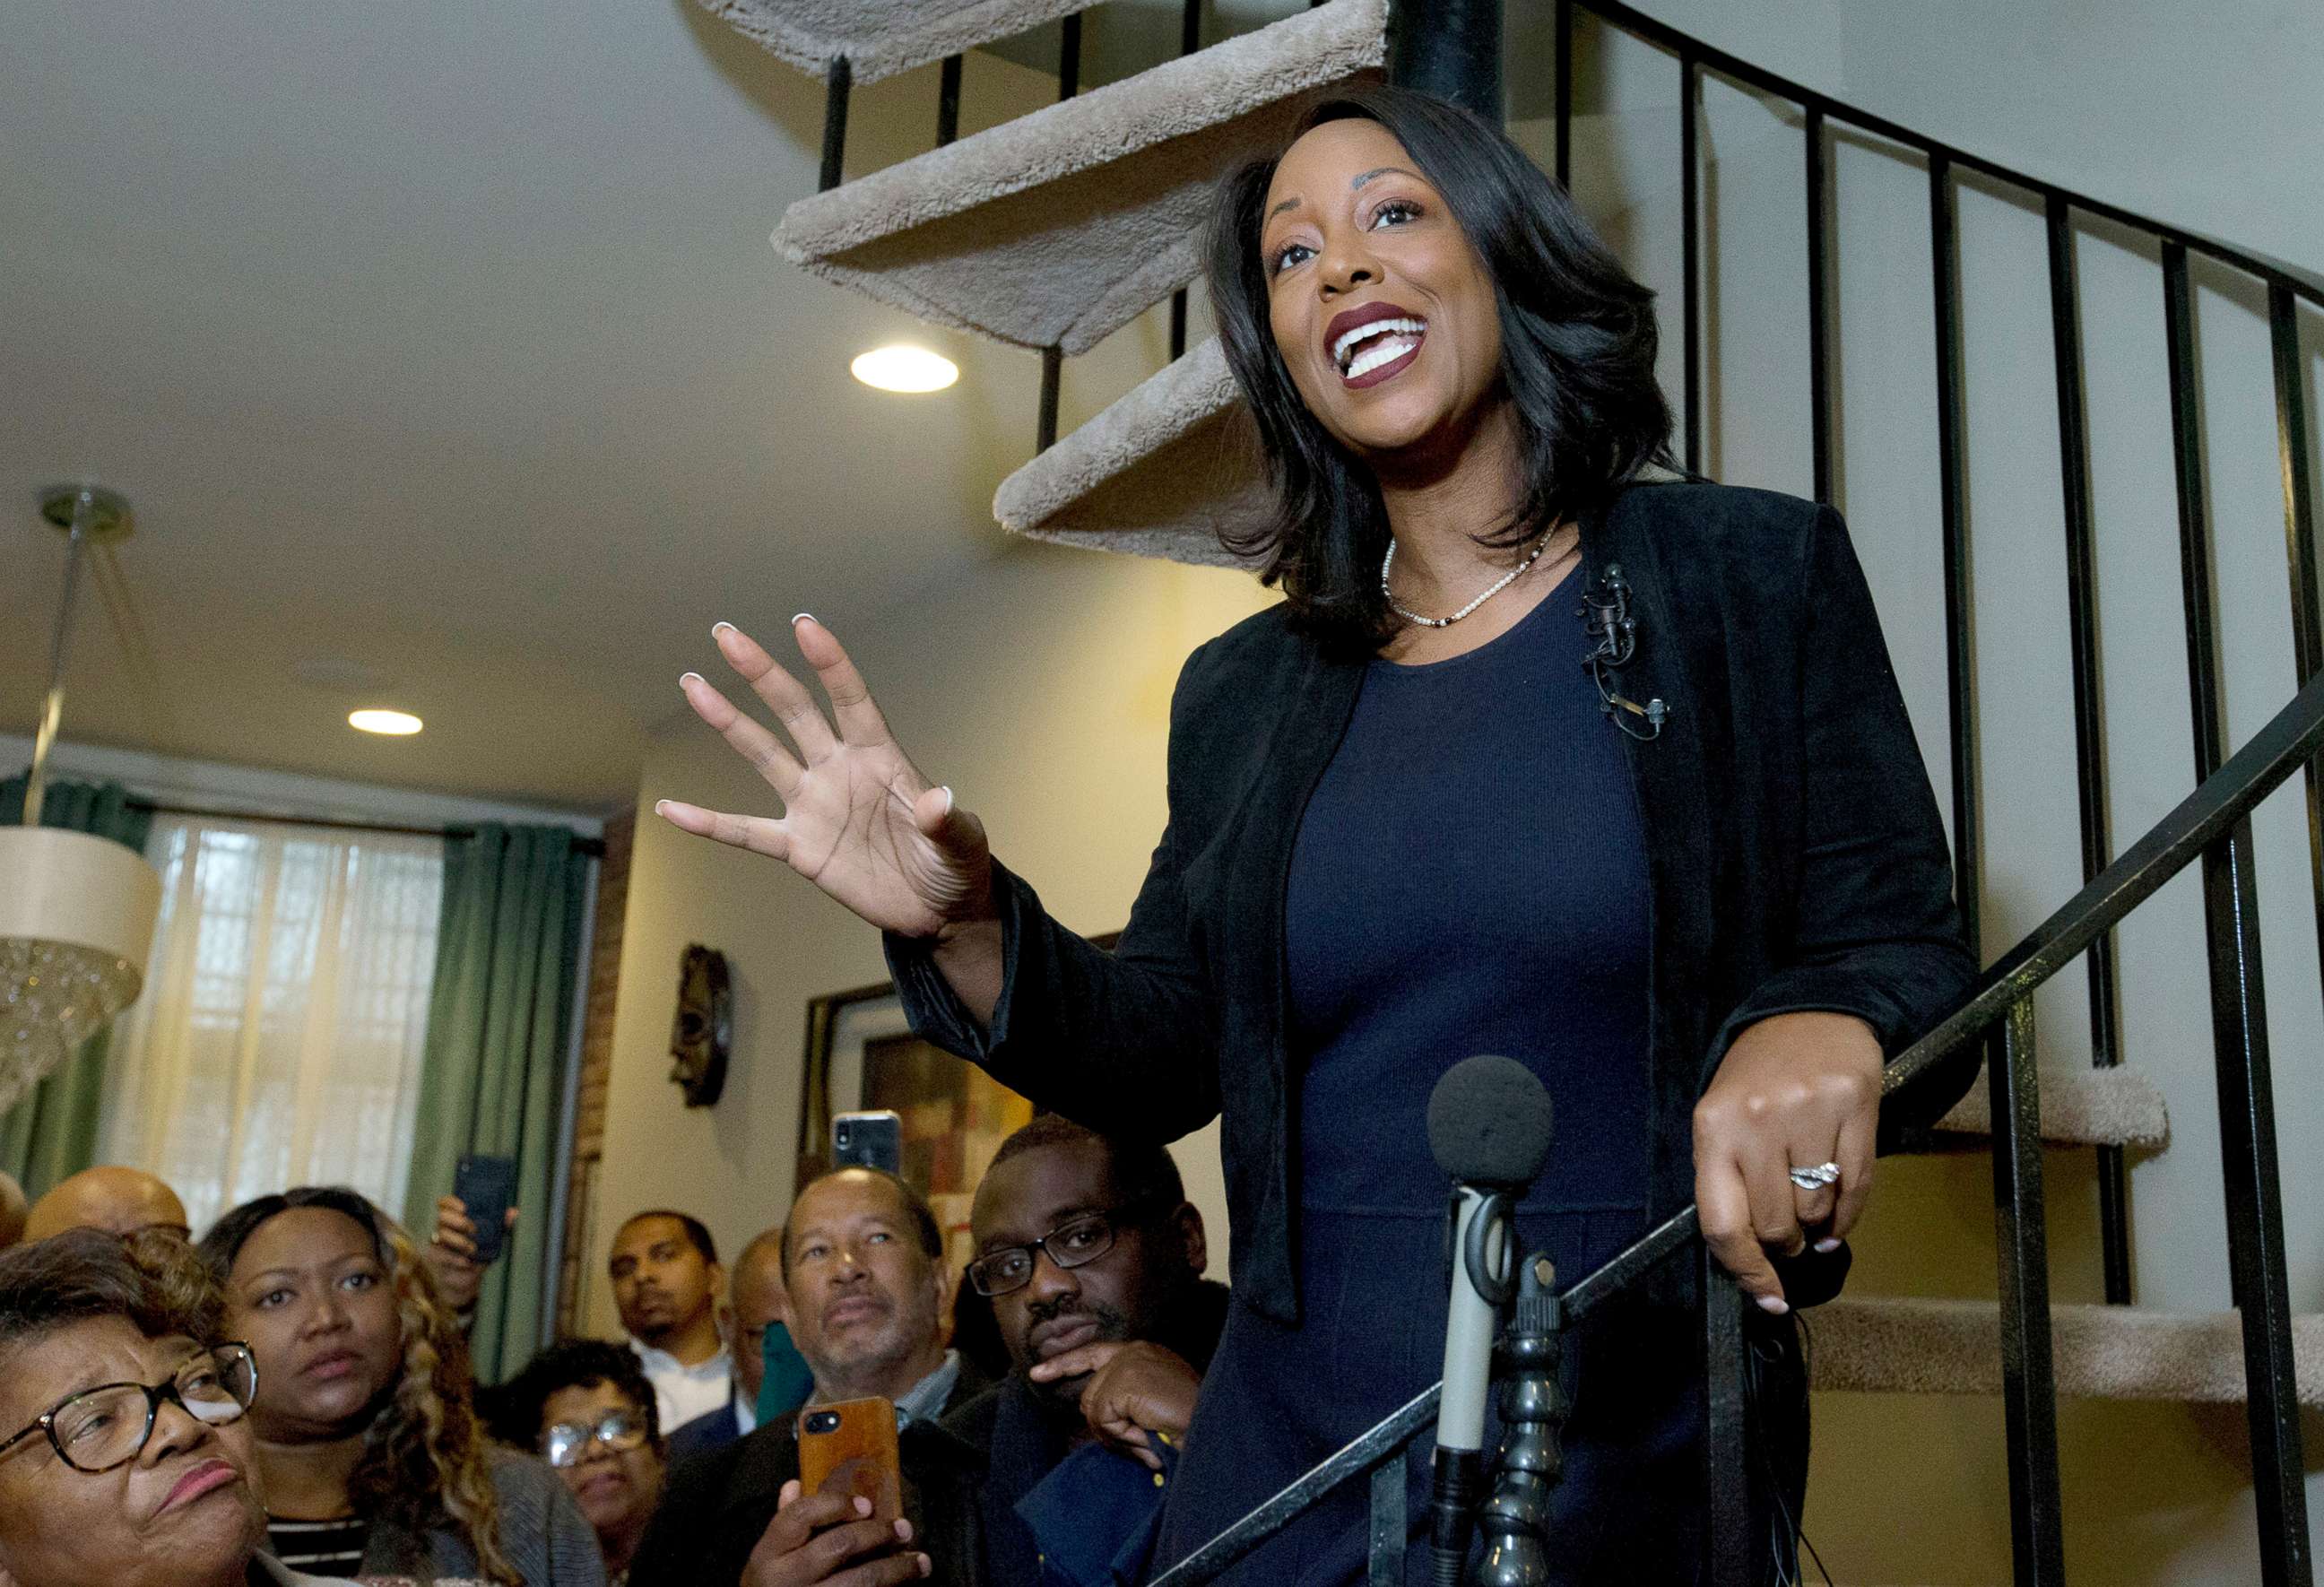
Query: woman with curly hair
[{"x": 370, "y": 1454}]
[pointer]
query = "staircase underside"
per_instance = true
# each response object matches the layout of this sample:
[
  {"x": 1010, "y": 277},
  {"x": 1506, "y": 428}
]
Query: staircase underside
[
  {"x": 2102, "y": 1353},
  {"x": 880, "y": 37},
  {"x": 1061, "y": 227}
]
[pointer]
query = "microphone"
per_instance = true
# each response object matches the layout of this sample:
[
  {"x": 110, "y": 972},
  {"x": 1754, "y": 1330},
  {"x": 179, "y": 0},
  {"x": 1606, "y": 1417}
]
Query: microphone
[{"x": 1488, "y": 1129}]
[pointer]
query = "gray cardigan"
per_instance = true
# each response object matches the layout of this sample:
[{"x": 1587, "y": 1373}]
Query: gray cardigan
[{"x": 542, "y": 1532}]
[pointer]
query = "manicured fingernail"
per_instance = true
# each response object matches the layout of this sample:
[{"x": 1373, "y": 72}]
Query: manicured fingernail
[
  {"x": 799, "y": 617},
  {"x": 904, "y": 1531},
  {"x": 863, "y": 1505},
  {"x": 1828, "y": 1244},
  {"x": 661, "y": 807},
  {"x": 716, "y": 626},
  {"x": 947, "y": 793},
  {"x": 1775, "y": 1306},
  {"x": 928, "y": 1566},
  {"x": 696, "y": 676}
]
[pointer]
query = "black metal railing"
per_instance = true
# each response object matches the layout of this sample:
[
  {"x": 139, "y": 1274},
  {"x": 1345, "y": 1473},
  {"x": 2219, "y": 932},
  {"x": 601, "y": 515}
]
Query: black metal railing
[{"x": 2214, "y": 823}]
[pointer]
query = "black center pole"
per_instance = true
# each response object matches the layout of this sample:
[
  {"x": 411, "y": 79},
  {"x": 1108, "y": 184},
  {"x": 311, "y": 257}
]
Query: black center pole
[{"x": 1451, "y": 48}]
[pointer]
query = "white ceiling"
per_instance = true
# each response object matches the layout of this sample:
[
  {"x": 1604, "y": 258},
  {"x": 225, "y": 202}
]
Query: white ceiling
[{"x": 445, "y": 340}]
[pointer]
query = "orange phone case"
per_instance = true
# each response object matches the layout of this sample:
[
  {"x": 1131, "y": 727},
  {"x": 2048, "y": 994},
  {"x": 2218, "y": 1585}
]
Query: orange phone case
[{"x": 855, "y": 1440}]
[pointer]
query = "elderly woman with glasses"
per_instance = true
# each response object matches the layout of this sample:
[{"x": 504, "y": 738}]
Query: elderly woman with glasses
[
  {"x": 125, "y": 1457},
  {"x": 585, "y": 1407}
]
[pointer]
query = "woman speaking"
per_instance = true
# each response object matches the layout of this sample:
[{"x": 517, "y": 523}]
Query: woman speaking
[{"x": 1536, "y": 757}]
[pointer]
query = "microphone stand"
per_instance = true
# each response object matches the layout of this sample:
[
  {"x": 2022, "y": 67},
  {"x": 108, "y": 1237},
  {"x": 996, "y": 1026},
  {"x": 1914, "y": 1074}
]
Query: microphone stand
[{"x": 1527, "y": 1362}]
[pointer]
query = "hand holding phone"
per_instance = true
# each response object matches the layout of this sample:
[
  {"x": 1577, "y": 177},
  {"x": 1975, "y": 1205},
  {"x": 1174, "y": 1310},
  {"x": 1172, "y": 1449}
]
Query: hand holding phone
[
  {"x": 870, "y": 1139},
  {"x": 485, "y": 1188},
  {"x": 819, "y": 1536},
  {"x": 853, "y": 1443}
]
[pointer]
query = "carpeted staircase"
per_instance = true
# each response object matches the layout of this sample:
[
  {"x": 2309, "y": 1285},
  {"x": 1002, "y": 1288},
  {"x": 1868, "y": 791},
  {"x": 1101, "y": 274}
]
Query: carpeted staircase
[{"x": 1059, "y": 227}]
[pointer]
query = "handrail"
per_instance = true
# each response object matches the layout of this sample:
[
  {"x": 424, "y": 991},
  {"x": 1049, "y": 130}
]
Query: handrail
[
  {"x": 2292, "y": 278},
  {"x": 2289, "y": 741}
]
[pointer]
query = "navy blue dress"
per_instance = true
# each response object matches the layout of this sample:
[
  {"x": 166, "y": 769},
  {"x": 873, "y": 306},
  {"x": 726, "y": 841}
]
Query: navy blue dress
[{"x": 1470, "y": 876}]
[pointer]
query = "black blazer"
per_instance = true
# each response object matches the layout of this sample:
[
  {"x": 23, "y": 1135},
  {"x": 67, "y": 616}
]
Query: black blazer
[{"x": 1794, "y": 857}]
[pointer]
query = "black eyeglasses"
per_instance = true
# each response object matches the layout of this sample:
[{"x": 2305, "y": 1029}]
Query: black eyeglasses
[
  {"x": 567, "y": 1443},
  {"x": 110, "y": 1425},
  {"x": 1071, "y": 1244}
]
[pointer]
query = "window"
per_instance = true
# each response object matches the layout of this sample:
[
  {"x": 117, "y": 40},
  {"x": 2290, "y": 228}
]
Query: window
[{"x": 278, "y": 1041}]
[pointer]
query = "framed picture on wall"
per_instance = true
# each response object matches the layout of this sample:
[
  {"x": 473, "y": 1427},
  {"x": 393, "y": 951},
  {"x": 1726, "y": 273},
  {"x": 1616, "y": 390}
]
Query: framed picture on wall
[{"x": 861, "y": 1052}]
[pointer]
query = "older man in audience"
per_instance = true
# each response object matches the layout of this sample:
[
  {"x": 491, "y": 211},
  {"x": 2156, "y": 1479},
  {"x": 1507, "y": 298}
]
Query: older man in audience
[
  {"x": 12, "y": 1211},
  {"x": 757, "y": 1303},
  {"x": 863, "y": 1265},
  {"x": 118, "y": 1200}
]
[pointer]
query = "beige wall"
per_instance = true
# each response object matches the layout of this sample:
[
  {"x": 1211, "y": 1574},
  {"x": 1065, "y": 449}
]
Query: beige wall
[{"x": 1040, "y": 691}]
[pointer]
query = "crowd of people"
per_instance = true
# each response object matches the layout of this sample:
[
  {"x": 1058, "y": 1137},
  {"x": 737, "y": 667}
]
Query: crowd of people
[{"x": 287, "y": 1398}]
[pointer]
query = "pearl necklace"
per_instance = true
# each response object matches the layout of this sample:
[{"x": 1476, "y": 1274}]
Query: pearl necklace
[{"x": 1500, "y": 585}]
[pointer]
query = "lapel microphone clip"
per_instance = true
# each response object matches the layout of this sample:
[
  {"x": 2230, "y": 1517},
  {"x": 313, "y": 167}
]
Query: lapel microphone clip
[{"x": 1607, "y": 607}]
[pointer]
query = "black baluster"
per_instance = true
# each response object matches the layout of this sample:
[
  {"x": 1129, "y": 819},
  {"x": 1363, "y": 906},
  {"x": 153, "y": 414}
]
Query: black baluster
[
  {"x": 837, "y": 79},
  {"x": 2299, "y": 543},
  {"x": 1190, "y": 39},
  {"x": 1515, "y": 1520},
  {"x": 2256, "y": 1257},
  {"x": 948, "y": 101},
  {"x": 1690, "y": 76},
  {"x": 2028, "y": 1383},
  {"x": 1819, "y": 310},
  {"x": 1727, "y": 1444},
  {"x": 1952, "y": 507},
  {"x": 1391, "y": 1529},
  {"x": 1564, "y": 68},
  {"x": 2089, "y": 713}
]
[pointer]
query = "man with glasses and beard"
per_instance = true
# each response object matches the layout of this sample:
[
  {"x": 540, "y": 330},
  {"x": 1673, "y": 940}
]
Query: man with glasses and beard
[{"x": 1093, "y": 1259}]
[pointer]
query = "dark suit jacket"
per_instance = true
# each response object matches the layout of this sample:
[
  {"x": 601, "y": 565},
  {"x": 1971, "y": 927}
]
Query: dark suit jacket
[
  {"x": 716, "y": 1506},
  {"x": 709, "y": 1431},
  {"x": 1794, "y": 858}
]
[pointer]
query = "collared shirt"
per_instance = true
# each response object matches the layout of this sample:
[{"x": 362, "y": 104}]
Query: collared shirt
[
  {"x": 925, "y": 1400},
  {"x": 746, "y": 1415},
  {"x": 682, "y": 1393}
]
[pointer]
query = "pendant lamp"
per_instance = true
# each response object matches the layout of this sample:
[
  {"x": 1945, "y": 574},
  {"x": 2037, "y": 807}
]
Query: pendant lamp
[{"x": 76, "y": 911}]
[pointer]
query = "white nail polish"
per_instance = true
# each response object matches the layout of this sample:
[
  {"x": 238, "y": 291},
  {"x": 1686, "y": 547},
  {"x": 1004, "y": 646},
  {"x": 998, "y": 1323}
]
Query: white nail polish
[
  {"x": 947, "y": 793},
  {"x": 1828, "y": 1244},
  {"x": 661, "y": 806},
  {"x": 799, "y": 617},
  {"x": 696, "y": 676},
  {"x": 1774, "y": 1304},
  {"x": 716, "y": 626}
]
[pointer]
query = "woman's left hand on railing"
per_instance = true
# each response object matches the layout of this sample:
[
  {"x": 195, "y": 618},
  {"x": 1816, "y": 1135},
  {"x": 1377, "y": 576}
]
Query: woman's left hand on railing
[{"x": 1795, "y": 1091}]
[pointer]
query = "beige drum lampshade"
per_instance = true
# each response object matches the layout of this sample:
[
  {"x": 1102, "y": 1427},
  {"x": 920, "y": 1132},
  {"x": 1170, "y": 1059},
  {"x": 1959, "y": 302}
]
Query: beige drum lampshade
[{"x": 76, "y": 918}]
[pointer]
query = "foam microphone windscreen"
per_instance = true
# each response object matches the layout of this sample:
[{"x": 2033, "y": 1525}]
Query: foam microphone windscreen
[{"x": 1490, "y": 1122}]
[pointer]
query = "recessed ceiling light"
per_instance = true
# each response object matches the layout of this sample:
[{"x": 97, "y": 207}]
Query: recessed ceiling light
[
  {"x": 900, "y": 368},
  {"x": 389, "y": 722}
]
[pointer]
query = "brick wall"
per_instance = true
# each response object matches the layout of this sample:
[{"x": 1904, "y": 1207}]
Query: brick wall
[{"x": 596, "y": 1064}]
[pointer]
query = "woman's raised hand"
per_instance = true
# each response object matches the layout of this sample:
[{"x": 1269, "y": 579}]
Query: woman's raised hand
[{"x": 858, "y": 819}]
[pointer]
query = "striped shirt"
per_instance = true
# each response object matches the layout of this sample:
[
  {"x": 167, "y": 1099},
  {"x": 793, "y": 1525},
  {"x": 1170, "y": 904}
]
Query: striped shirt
[{"x": 319, "y": 1548}]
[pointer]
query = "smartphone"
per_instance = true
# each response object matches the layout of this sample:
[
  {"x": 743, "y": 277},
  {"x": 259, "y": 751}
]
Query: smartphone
[
  {"x": 868, "y": 1140},
  {"x": 853, "y": 1441},
  {"x": 486, "y": 1186}
]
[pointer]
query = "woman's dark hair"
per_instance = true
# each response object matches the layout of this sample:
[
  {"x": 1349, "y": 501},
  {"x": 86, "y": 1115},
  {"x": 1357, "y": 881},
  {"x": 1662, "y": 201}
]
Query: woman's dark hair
[
  {"x": 514, "y": 1411},
  {"x": 151, "y": 1279},
  {"x": 425, "y": 1459},
  {"x": 1578, "y": 339}
]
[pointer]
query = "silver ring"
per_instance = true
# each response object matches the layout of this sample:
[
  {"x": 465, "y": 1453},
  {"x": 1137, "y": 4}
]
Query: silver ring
[{"x": 1822, "y": 1176}]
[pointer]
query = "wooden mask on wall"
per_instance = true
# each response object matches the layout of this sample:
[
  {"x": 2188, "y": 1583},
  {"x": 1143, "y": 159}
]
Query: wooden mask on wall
[{"x": 701, "y": 1035}]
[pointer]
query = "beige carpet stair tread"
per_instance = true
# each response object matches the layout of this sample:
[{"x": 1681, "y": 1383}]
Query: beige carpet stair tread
[
  {"x": 1063, "y": 226},
  {"x": 1158, "y": 474},
  {"x": 1882, "y": 1346},
  {"x": 882, "y": 38},
  {"x": 2080, "y": 1107}
]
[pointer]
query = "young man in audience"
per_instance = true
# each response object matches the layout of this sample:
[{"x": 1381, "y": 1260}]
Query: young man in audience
[
  {"x": 863, "y": 1265},
  {"x": 667, "y": 1281},
  {"x": 1093, "y": 1259},
  {"x": 585, "y": 1407},
  {"x": 120, "y": 1201},
  {"x": 756, "y": 1301}
]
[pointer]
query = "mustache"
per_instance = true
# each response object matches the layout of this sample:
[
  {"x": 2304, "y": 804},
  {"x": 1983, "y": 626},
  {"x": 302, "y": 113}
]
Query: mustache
[{"x": 1110, "y": 1321}]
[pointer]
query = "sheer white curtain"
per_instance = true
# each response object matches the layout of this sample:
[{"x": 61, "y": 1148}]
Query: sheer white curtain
[{"x": 278, "y": 1040}]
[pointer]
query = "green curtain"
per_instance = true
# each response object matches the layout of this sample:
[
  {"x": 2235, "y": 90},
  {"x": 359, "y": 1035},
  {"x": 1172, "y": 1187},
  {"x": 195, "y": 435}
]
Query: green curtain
[
  {"x": 51, "y": 1134},
  {"x": 499, "y": 1025}
]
